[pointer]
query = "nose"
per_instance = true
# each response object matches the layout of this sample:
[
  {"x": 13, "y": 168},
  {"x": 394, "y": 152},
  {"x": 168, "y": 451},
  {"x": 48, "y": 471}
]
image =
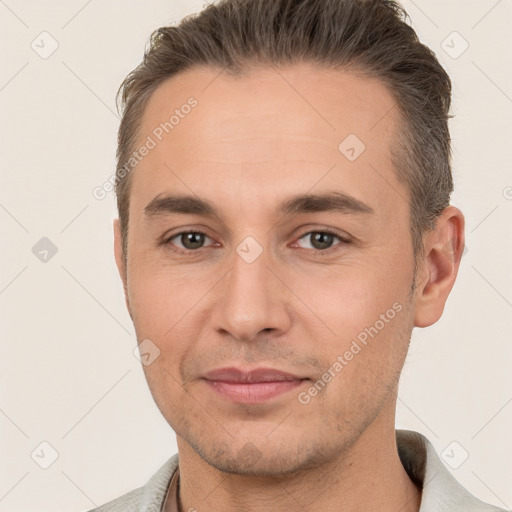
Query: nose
[{"x": 251, "y": 300}]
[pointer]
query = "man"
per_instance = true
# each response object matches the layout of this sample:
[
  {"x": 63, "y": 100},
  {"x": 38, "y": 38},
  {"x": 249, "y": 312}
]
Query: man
[{"x": 283, "y": 186}]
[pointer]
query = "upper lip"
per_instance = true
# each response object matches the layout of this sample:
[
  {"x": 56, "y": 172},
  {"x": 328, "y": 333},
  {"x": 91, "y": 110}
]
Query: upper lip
[{"x": 233, "y": 374}]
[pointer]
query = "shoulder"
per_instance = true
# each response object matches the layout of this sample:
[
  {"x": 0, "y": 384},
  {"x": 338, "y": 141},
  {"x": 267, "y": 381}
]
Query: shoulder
[{"x": 148, "y": 497}]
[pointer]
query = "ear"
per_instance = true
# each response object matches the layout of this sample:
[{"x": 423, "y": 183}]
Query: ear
[
  {"x": 443, "y": 248},
  {"x": 120, "y": 261}
]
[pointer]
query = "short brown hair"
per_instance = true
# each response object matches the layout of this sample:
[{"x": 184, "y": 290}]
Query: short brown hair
[{"x": 370, "y": 36}]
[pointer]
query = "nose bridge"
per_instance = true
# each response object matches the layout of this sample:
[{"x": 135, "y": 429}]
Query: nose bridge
[{"x": 251, "y": 299}]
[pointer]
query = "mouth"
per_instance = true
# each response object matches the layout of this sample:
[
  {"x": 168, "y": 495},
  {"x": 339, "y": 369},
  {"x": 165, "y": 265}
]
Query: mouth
[{"x": 251, "y": 387}]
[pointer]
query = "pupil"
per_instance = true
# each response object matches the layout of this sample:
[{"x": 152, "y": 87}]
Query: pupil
[
  {"x": 320, "y": 237},
  {"x": 193, "y": 239}
]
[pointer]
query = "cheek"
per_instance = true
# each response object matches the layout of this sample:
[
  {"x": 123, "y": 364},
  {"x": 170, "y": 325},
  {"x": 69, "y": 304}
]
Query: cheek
[
  {"x": 364, "y": 314},
  {"x": 159, "y": 296},
  {"x": 166, "y": 305},
  {"x": 349, "y": 299}
]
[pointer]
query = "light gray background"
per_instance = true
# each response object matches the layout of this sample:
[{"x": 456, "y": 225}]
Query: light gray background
[{"x": 67, "y": 371}]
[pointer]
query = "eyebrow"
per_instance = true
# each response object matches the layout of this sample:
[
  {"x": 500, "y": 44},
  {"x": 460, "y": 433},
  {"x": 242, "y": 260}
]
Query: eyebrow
[{"x": 308, "y": 203}]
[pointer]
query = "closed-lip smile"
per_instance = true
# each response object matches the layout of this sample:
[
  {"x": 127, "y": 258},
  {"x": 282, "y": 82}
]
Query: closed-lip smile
[{"x": 251, "y": 386}]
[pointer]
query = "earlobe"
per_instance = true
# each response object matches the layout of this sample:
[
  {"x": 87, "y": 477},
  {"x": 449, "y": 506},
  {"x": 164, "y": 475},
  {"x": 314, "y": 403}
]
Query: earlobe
[{"x": 437, "y": 272}]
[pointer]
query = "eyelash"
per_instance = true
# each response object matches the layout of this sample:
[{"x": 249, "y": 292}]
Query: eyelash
[{"x": 190, "y": 252}]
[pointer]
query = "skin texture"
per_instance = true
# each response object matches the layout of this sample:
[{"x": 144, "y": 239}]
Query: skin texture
[{"x": 250, "y": 143}]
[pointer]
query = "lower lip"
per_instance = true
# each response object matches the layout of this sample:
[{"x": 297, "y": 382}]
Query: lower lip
[{"x": 255, "y": 392}]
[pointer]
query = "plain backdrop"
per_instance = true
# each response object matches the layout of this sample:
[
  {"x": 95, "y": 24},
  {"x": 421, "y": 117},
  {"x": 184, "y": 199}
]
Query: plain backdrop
[{"x": 68, "y": 375}]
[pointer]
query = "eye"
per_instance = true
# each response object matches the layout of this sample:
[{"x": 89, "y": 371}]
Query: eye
[
  {"x": 322, "y": 241},
  {"x": 190, "y": 241}
]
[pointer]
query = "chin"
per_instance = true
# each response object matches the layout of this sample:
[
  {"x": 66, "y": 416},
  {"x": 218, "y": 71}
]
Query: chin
[
  {"x": 274, "y": 465},
  {"x": 260, "y": 458}
]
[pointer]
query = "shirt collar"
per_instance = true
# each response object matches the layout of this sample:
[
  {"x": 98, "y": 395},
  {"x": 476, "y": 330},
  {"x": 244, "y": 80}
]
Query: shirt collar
[{"x": 440, "y": 490}]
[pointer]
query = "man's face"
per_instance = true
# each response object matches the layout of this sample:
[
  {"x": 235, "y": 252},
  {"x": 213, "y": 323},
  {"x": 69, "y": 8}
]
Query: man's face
[{"x": 267, "y": 287}]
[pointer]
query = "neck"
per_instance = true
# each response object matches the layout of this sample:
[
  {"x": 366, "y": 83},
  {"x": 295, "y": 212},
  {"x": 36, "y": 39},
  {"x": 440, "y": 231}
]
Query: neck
[{"x": 366, "y": 476}]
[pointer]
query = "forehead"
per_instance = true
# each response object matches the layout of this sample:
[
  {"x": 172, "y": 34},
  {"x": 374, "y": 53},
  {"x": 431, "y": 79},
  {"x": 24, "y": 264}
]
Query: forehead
[
  {"x": 312, "y": 101},
  {"x": 266, "y": 128}
]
